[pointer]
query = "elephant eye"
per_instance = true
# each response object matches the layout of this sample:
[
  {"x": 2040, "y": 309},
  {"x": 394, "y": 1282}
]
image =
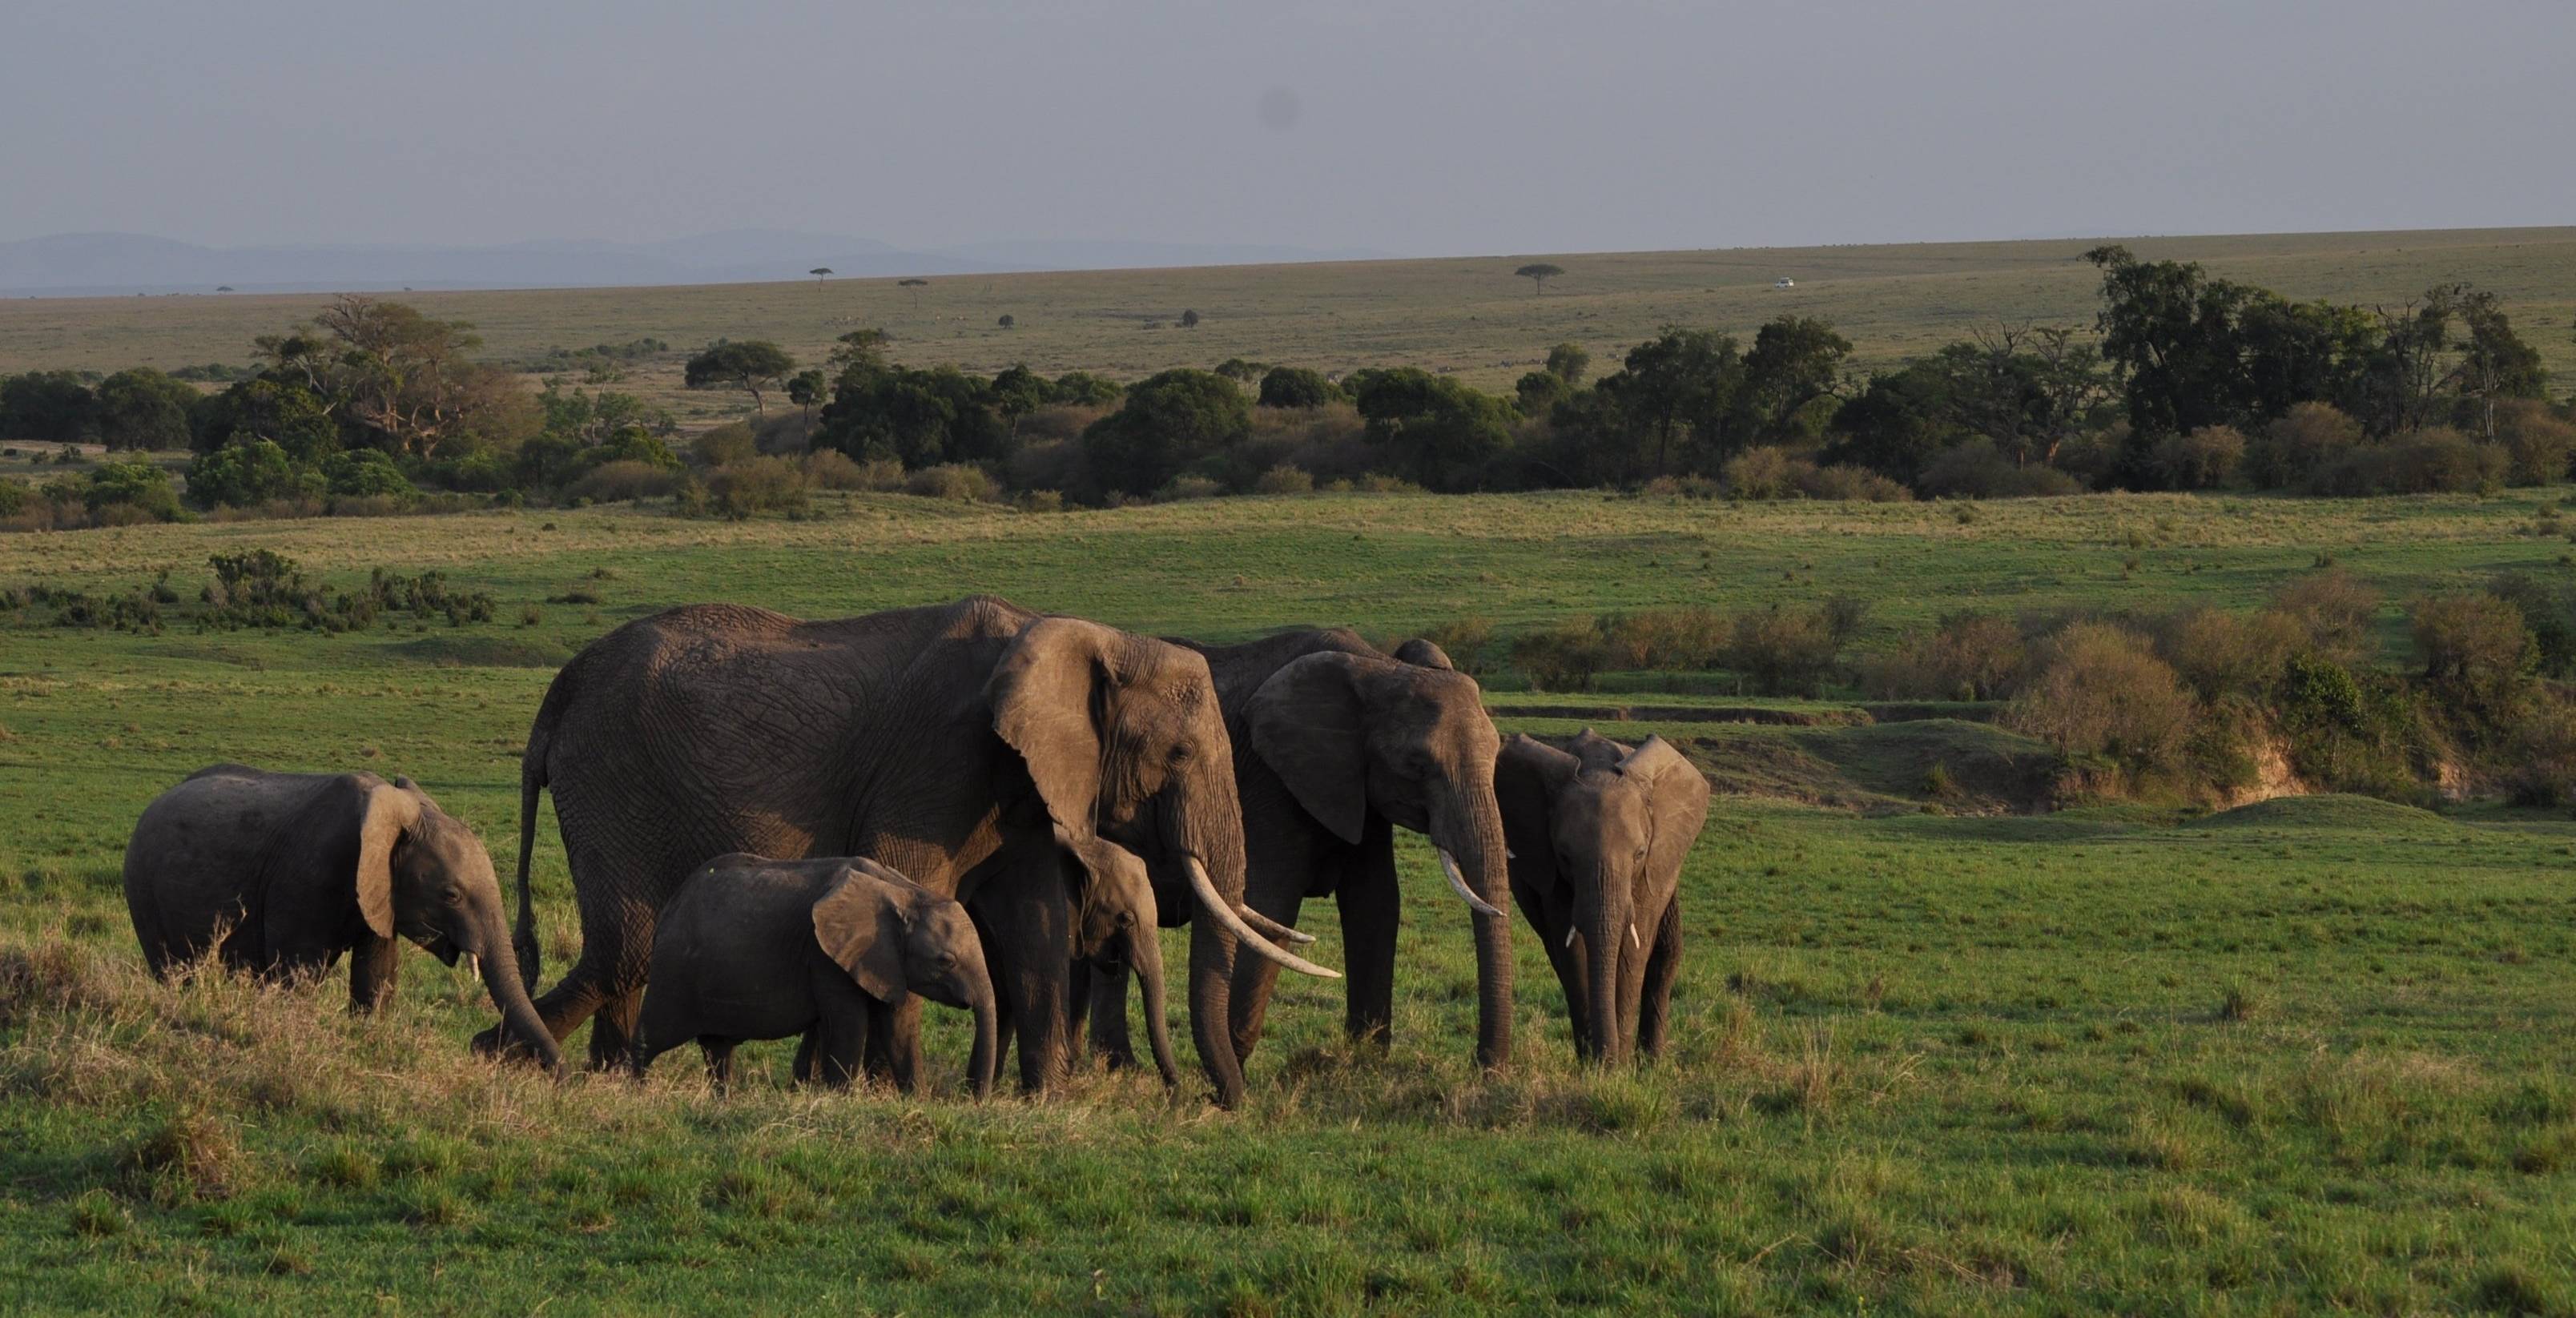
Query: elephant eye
[
  {"x": 1126, "y": 918},
  {"x": 1181, "y": 753}
]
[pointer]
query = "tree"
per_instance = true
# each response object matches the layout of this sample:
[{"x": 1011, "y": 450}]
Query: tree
[
  {"x": 748, "y": 365},
  {"x": 1538, "y": 273},
  {"x": 1568, "y": 362},
  {"x": 402, "y": 377},
  {"x": 1006, "y": 321},
  {"x": 144, "y": 409},
  {"x": 251, "y": 471},
  {"x": 1682, "y": 381},
  {"x": 1538, "y": 392},
  {"x": 2494, "y": 362},
  {"x": 1296, "y": 386},
  {"x": 47, "y": 405},
  {"x": 916, "y": 285},
  {"x": 1439, "y": 432},
  {"x": 1795, "y": 361},
  {"x": 820, "y": 273},
  {"x": 1017, "y": 392},
  {"x": 1169, "y": 422},
  {"x": 807, "y": 389},
  {"x": 1189, "y": 320}
]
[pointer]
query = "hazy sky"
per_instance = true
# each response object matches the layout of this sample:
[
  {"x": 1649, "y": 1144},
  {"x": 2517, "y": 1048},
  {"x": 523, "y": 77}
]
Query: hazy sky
[{"x": 1413, "y": 128}]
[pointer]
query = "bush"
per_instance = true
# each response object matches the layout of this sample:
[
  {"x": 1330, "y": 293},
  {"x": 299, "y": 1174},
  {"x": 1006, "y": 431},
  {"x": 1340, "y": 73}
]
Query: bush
[
  {"x": 1784, "y": 651},
  {"x": 623, "y": 480},
  {"x": 1977, "y": 470},
  {"x": 753, "y": 485},
  {"x": 1969, "y": 656},
  {"x": 1373, "y": 482},
  {"x": 2201, "y": 460},
  {"x": 1296, "y": 386},
  {"x": 2219, "y": 653},
  {"x": 1181, "y": 489},
  {"x": 1687, "y": 637},
  {"x": 726, "y": 444},
  {"x": 1851, "y": 484},
  {"x": 365, "y": 473},
  {"x": 1563, "y": 656},
  {"x": 14, "y": 496},
  {"x": 248, "y": 472},
  {"x": 1464, "y": 640},
  {"x": 954, "y": 481},
  {"x": 2548, "y": 612},
  {"x": 2334, "y": 608},
  {"x": 2101, "y": 692},
  {"x": 1284, "y": 479},
  {"x": 118, "y": 493},
  {"x": 2475, "y": 651},
  {"x": 1764, "y": 472},
  {"x": 1039, "y": 501},
  {"x": 2435, "y": 461},
  {"x": 2537, "y": 444},
  {"x": 831, "y": 469},
  {"x": 2302, "y": 442},
  {"x": 2543, "y": 754}
]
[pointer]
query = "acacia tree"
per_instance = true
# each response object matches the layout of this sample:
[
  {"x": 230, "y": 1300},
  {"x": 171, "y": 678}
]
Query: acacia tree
[
  {"x": 916, "y": 285},
  {"x": 820, "y": 273},
  {"x": 1538, "y": 273},
  {"x": 1568, "y": 362},
  {"x": 749, "y": 365},
  {"x": 1189, "y": 320},
  {"x": 808, "y": 388}
]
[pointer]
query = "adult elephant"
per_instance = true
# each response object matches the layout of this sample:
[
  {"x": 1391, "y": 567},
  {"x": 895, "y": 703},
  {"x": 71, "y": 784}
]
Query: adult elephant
[
  {"x": 1335, "y": 746},
  {"x": 950, "y": 743},
  {"x": 1598, "y": 832}
]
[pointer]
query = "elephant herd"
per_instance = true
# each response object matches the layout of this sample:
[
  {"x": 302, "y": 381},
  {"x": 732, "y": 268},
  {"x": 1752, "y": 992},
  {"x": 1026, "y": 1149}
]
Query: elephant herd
[{"x": 779, "y": 828}]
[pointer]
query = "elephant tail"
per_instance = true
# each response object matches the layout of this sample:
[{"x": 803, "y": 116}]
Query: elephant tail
[{"x": 532, "y": 782}]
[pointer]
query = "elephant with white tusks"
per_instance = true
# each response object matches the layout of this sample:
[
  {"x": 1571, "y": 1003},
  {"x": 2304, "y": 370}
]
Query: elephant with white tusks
[
  {"x": 280, "y": 874},
  {"x": 1598, "y": 834}
]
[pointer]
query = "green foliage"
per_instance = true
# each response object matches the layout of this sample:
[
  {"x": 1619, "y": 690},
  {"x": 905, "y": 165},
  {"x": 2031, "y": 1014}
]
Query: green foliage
[
  {"x": 143, "y": 409},
  {"x": 55, "y": 406},
  {"x": 753, "y": 485},
  {"x": 1435, "y": 430},
  {"x": 1169, "y": 423},
  {"x": 249, "y": 472},
  {"x": 1569, "y": 362},
  {"x": 751, "y": 365},
  {"x": 1538, "y": 273},
  {"x": 365, "y": 473},
  {"x": 1297, "y": 386},
  {"x": 140, "y": 486},
  {"x": 283, "y": 412},
  {"x": 1562, "y": 656}
]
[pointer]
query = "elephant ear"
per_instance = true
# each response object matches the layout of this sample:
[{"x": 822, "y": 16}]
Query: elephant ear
[
  {"x": 1598, "y": 752},
  {"x": 1422, "y": 652},
  {"x": 385, "y": 813},
  {"x": 1677, "y": 794},
  {"x": 860, "y": 921},
  {"x": 1308, "y": 725},
  {"x": 1527, "y": 776},
  {"x": 1046, "y": 695}
]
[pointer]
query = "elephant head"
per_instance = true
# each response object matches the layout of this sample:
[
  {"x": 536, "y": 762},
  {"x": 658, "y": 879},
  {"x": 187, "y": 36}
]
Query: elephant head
[
  {"x": 1607, "y": 828},
  {"x": 896, "y": 937},
  {"x": 1351, "y": 733},
  {"x": 424, "y": 876},
  {"x": 1123, "y": 740},
  {"x": 1117, "y": 920}
]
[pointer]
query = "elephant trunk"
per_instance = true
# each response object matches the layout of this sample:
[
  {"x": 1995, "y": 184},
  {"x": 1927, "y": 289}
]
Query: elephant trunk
[
  {"x": 1602, "y": 913},
  {"x": 1202, "y": 841},
  {"x": 980, "y": 1062},
  {"x": 1145, "y": 957},
  {"x": 1467, "y": 827},
  {"x": 499, "y": 964}
]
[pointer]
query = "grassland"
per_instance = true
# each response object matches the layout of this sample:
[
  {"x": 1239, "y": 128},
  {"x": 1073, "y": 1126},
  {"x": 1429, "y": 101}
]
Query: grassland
[
  {"x": 1465, "y": 315},
  {"x": 2313, "y": 1055}
]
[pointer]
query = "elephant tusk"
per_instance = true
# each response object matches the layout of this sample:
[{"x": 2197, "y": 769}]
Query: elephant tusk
[
  {"x": 473, "y": 964},
  {"x": 1224, "y": 913},
  {"x": 1458, "y": 882},
  {"x": 1272, "y": 928},
  {"x": 1632, "y": 937},
  {"x": 1569, "y": 935}
]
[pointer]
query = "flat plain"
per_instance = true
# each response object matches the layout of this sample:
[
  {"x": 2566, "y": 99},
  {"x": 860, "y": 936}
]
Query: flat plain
[
  {"x": 1467, "y": 315},
  {"x": 1935, "y": 1053}
]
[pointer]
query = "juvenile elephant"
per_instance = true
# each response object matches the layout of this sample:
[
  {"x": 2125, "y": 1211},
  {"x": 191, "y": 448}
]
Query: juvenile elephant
[
  {"x": 291, "y": 870},
  {"x": 1116, "y": 930},
  {"x": 1335, "y": 746},
  {"x": 950, "y": 743},
  {"x": 1598, "y": 834},
  {"x": 753, "y": 948}
]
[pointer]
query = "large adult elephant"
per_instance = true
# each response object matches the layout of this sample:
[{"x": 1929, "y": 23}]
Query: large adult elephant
[
  {"x": 949, "y": 743},
  {"x": 1335, "y": 746}
]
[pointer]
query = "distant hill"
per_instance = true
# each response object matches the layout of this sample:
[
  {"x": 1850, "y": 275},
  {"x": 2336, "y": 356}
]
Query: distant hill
[{"x": 92, "y": 264}]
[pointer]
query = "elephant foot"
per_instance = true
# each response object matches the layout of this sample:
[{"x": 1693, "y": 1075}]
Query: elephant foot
[{"x": 497, "y": 1044}]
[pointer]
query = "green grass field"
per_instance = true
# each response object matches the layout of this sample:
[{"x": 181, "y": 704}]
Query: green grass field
[
  {"x": 2315, "y": 1054},
  {"x": 1466, "y": 315}
]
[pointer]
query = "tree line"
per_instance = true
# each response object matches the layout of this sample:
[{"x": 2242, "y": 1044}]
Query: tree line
[{"x": 2187, "y": 381}]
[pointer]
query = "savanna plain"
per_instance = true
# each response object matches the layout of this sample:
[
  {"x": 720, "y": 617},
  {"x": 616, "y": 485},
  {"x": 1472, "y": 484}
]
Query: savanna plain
[{"x": 1938, "y": 1049}]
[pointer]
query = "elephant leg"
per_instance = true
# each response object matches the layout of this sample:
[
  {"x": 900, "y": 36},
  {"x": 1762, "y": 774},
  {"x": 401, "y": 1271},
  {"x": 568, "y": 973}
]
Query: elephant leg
[
  {"x": 891, "y": 1048},
  {"x": 375, "y": 967},
  {"x": 719, "y": 1054},
  {"x": 803, "y": 1071},
  {"x": 1028, "y": 948},
  {"x": 1257, "y": 977},
  {"x": 1552, "y": 919},
  {"x": 612, "y": 1029},
  {"x": 1663, "y": 966},
  {"x": 1371, "y": 904},
  {"x": 1108, "y": 1012},
  {"x": 835, "y": 1045}
]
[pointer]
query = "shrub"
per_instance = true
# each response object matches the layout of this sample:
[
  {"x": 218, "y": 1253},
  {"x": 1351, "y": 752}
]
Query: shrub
[
  {"x": 2475, "y": 650},
  {"x": 1784, "y": 651},
  {"x": 1181, "y": 489},
  {"x": 1059, "y": 422},
  {"x": 2435, "y": 461},
  {"x": 249, "y": 472},
  {"x": 2220, "y": 653},
  {"x": 1284, "y": 479},
  {"x": 14, "y": 495},
  {"x": 1296, "y": 386},
  {"x": 2201, "y": 460},
  {"x": 2302, "y": 442},
  {"x": 2345, "y": 734},
  {"x": 726, "y": 444},
  {"x": 955, "y": 481},
  {"x": 753, "y": 485},
  {"x": 2548, "y": 611},
  {"x": 1851, "y": 484},
  {"x": 2537, "y": 444},
  {"x": 623, "y": 480},
  {"x": 831, "y": 469},
  {"x": 1039, "y": 501},
  {"x": 2542, "y": 752},
  {"x": 1977, "y": 470},
  {"x": 2334, "y": 608},
  {"x": 365, "y": 474},
  {"x": 1464, "y": 640},
  {"x": 1969, "y": 656},
  {"x": 2101, "y": 692},
  {"x": 1563, "y": 656},
  {"x": 1764, "y": 472},
  {"x": 1690, "y": 636},
  {"x": 1380, "y": 483}
]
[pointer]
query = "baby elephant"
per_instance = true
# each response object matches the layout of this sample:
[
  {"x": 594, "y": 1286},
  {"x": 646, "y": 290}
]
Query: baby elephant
[
  {"x": 290, "y": 870},
  {"x": 1597, "y": 833},
  {"x": 753, "y": 948}
]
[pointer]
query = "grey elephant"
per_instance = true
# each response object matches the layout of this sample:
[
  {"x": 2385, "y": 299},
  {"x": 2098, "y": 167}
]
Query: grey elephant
[
  {"x": 1598, "y": 834},
  {"x": 754, "y": 948},
  {"x": 1117, "y": 931},
  {"x": 291, "y": 871},
  {"x": 1335, "y": 746},
  {"x": 950, "y": 743}
]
